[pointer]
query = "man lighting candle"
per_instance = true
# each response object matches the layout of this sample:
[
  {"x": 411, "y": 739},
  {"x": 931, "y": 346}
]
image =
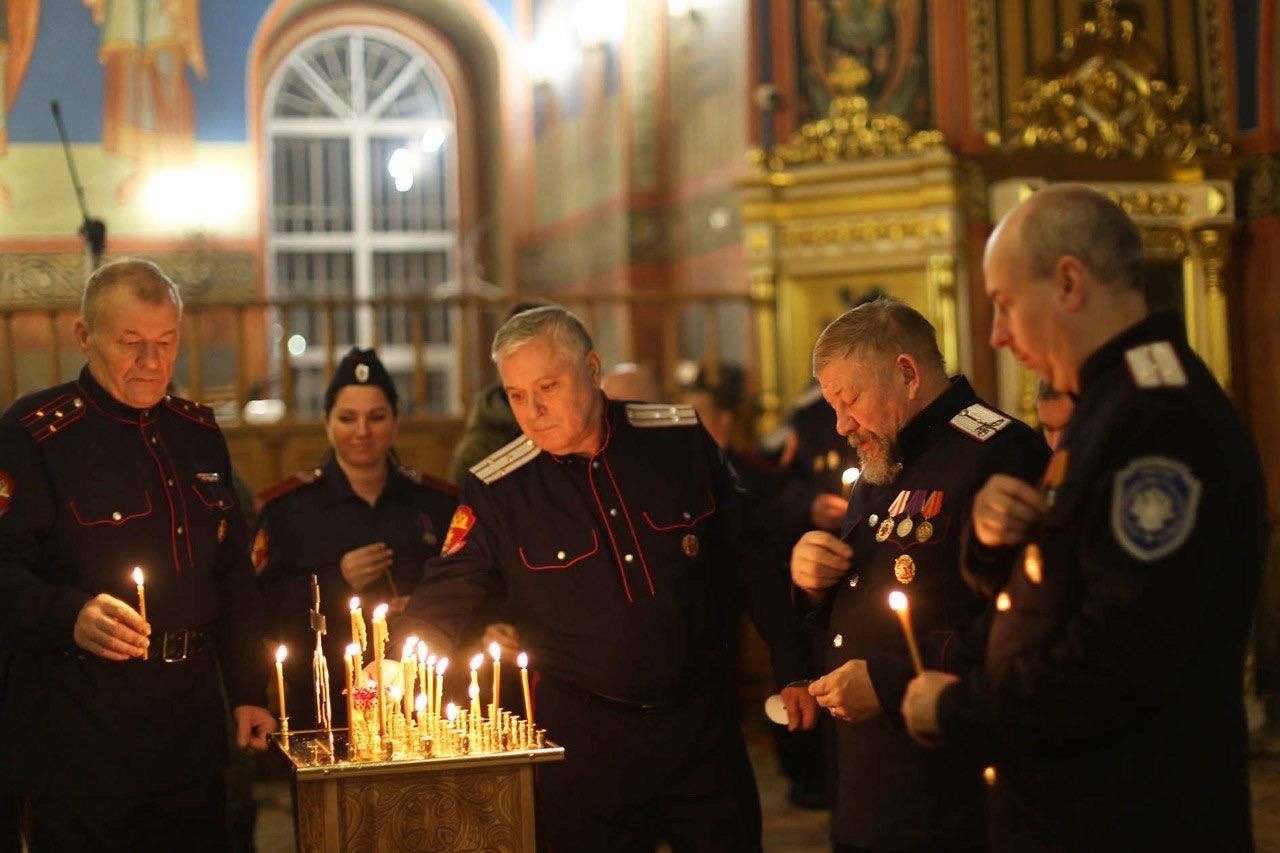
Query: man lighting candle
[
  {"x": 104, "y": 472},
  {"x": 925, "y": 443}
]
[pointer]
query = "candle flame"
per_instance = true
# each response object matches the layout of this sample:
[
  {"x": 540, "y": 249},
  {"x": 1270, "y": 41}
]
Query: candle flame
[
  {"x": 850, "y": 476},
  {"x": 477, "y": 662},
  {"x": 137, "y": 575},
  {"x": 353, "y": 649},
  {"x": 474, "y": 691},
  {"x": 281, "y": 654},
  {"x": 522, "y": 660},
  {"x": 409, "y": 645},
  {"x": 898, "y": 600},
  {"x": 431, "y": 660},
  {"x": 451, "y": 711},
  {"x": 420, "y": 704},
  {"x": 397, "y": 693},
  {"x": 380, "y": 613},
  {"x": 354, "y": 604},
  {"x": 442, "y": 666},
  {"x": 495, "y": 650},
  {"x": 422, "y": 652}
]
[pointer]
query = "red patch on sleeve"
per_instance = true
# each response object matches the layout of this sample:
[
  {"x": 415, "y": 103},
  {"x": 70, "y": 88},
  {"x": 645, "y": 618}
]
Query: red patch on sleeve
[
  {"x": 6, "y": 491},
  {"x": 464, "y": 518},
  {"x": 259, "y": 553}
]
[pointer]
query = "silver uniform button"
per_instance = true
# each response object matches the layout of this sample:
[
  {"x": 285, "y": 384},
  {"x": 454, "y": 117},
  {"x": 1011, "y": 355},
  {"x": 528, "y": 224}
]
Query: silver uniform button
[
  {"x": 115, "y": 516},
  {"x": 179, "y": 529},
  {"x": 837, "y": 640},
  {"x": 686, "y": 516},
  {"x": 873, "y": 520},
  {"x": 628, "y": 557},
  {"x": 613, "y": 510},
  {"x": 559, "y": 555}
]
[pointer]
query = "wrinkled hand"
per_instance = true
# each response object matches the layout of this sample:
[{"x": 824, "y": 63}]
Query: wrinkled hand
[
  {"x": 362, "y": 566},
  {"x": 847, "y": 692},
  {"x": 111, "y": 629},
  {"x": 1004, "y": 510},
  {"x": 802, "y": 709},
  {"x": 920, "y": 705},
  {"x": 253, "y": 724},
  {"x": 506, "y": 636},
  {"x": 827, "y": 511},
  {"x": 818, "y": 560}
]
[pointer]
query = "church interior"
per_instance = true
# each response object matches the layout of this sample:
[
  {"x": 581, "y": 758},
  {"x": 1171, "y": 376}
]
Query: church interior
[{"x": 704, "y": 182}]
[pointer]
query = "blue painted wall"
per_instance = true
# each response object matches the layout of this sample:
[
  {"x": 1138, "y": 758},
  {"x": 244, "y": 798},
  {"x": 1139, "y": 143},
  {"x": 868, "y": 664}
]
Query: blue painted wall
[{"x": 65, "y": 67}]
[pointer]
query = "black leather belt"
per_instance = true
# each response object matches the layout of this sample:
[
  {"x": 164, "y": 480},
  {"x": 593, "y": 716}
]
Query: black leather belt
[{"x": 177, "y": 646}]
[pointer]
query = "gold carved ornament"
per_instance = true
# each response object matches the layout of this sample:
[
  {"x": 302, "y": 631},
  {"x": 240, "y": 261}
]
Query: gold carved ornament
[
  {"x": 1105, "y": 102},
  {"x": 850, "y": 131}
]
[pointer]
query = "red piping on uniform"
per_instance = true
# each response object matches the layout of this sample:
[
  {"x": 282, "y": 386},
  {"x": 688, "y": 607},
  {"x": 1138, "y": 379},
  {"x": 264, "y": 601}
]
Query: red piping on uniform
[
  {"x": 219, "y": 504},
  {"x": 661, "y": 528},
  {"x": 88, "y": 399},
  {"x": 639, "y": 551},
  {"x": 173, "y": 543},
  {"x": 112, "y": 521},
  {"x": 182, "y": 499},
  {"x": 617, "y": 552},
  {"x": 595, "y": 547},
  {"x": 173, "y": 407}
]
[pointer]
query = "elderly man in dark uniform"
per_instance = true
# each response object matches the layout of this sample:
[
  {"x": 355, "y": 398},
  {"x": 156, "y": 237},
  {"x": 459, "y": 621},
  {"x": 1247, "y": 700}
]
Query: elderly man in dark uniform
[
  {"x": 363, "y": 524},
  {"x": 614, "y": 531},
  {"x": 1124, "y": 586},
  {"x": 117, "y": 720},
  {"x": 925, "y": 444}
]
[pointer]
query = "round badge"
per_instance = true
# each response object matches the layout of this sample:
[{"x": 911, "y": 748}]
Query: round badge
[
  {"x": 1033, "y": 564},
  {"x": 689, "y": 544},
  {"x": 904, "y": 527},
  {"x": 873, "y": 520},
  {"x": 924, "y": 531},
  {"x": 904, "y": 569},
  {"x": 362, "y": 373},
  {"x": 886, "y": 527}
]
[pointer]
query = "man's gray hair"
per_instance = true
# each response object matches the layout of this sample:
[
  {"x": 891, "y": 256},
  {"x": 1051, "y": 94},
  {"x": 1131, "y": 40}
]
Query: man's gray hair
[
  {"x": 883, "y": 326},
  {"x": 1072, "y": 219},
  {"x": 554, "y": 320},
  {"x": 146, "y": 281}
]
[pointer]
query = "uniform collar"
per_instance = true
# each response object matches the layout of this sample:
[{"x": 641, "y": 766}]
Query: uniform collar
[
  {"x": 1160, "y": 326},
  {"x": 339, "y": 487},
  {"x": 920, "y": 431},
  {"x": 612, "y": 411},
  {"x": 101, "y": 399}
]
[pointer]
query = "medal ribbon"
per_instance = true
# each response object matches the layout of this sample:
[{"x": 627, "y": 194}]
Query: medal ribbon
[
  {"x": 933, "y": 505},
  {"x": 917, "y": 501},
  {"x": 899, "y": 503}
]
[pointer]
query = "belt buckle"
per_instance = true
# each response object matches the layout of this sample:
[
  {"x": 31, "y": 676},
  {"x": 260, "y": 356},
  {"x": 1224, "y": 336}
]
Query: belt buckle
[{"x": 165, "y": 653}]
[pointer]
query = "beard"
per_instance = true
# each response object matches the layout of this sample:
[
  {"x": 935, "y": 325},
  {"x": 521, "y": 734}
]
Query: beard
[{"x": 880, "y": 464}]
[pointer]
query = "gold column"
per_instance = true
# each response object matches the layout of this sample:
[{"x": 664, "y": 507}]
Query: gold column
[
  {"x": 1209, "y": 247},
  {"x": 940, "y": 278}
]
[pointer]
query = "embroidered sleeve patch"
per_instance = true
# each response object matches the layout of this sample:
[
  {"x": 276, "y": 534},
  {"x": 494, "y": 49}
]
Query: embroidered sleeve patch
[
  {"x": 259, "y": 553},
  {"x": 1153, "y": 507},
  {"x": 6, "y": 491},
  {"x": 464, "y": 518}
]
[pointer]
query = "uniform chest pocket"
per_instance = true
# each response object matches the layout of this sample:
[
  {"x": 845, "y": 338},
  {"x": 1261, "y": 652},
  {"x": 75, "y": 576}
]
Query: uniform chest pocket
[
  {"x": 214, "y": 495},
  {"x": 679, "y": 515},
  {"x": 110, "y": 510},
  {"x": 558, "y": 553}
]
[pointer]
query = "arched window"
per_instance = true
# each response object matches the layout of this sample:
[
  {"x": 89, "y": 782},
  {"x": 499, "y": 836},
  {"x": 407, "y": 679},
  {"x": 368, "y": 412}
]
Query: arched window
[{"x": 362, "y": 203}]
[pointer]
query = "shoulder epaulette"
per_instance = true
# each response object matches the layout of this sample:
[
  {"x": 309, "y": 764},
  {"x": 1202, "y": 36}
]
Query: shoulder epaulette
[
  {"x": 1156, "y": 365},
  {"x": 289, "y": 484},
  {"x": 421, "y": 479},
  {"x": 53, "y": 416},
  {"x": 979, "y": 422},
  {"x": 505, "y": 459},
  {"x": 645, "y": 415},
  {"x": 192, "y": 411}
]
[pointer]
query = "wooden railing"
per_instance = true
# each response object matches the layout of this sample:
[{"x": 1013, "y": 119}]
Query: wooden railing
[{"x": 232, "y": 352}]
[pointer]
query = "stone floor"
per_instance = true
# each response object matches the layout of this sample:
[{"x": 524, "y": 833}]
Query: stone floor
[{"x": 786, "y": 828}]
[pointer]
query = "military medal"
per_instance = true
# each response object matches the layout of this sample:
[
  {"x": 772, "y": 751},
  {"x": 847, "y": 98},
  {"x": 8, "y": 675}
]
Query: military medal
[
  {"x": 1033, "y": 563},
  {"x": 904, "y": 568},
  {"x": 932, "y": 506},
  {"x": 873, "y": 520},
  {"x": 886, "y": 527},
  {"x": 222, "y": 530},
  {"x": 1053, "y": 476},
  {"x": 689, "y": 544},
  {"x": 916, "y": 501}
]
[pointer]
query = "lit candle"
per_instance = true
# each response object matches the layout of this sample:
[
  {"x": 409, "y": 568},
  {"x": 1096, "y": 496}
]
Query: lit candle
[
  {"x": 379, "y": 641},
  {"x": 142, "y": 602},
  {"x": 440, "y": 668},
  {"x": 420, "y": 705},
  {"x": 476, "y": 663},
  {"x": 898, "y": 601},
  {"x": 358, "y": 635},
  {"x": 847, "y": 479},
  {"x": 281, "y": 654},
  {"x": 352, "y": 660},
  {"x": 423, "y": 687},
  {"x": 474, "y": 692},
  {"x": 451, "y": 712},
  {"x": 429, "y": 684},
  {"x": 495, "y": 652},
  {"x": 523, "y": 661},
  {"x": 409, "y": 669}
]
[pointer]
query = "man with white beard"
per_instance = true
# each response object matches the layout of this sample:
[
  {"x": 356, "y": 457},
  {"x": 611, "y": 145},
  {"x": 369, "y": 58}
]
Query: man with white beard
[{"x": 925, "y": 445}]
